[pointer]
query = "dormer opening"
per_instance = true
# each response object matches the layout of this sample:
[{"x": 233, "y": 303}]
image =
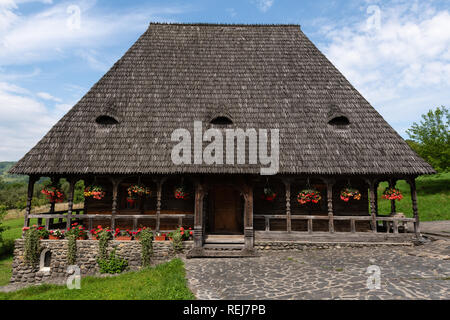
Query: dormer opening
[
  {"x": 221, "y": 121},
  {"x": 340, "y": 121},
  {"x": 106, "y": 120}
]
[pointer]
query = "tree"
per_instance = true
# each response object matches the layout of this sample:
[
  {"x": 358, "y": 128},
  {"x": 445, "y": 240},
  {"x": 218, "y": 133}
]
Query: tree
[
  {"x": 2, "y": 215},
  {"x": 430, "y": 138}
]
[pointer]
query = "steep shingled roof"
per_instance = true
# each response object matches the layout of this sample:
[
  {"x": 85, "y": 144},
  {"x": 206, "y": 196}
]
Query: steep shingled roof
[{"x": 264, "y": 76}]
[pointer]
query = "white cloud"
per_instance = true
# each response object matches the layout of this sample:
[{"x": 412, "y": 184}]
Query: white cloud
[
  {"x": 48, "y": 96},
  {"x": 263, "y": 5},
  {"x": 23, "y": 121},
  {"x": 403, "y": 67},
  {"x": 49, "y": 34},
  {"x": 45, "y": 35}
]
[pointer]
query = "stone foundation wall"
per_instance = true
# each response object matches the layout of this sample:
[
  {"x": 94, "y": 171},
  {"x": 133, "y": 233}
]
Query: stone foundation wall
[
  {"x": 292, "y": 245},
  {"x": 87, "y": 253}
]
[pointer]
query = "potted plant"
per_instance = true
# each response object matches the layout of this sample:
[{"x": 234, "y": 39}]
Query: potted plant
[
  {"x": 43, "y": 233},
  {"x": 95, "y": 233},
  {"x": 53, "y": 193},
  {"x": 77, "y": 230},
  {"x": 392, "y": 194},
  {"x": 160, "y": 236},
  {"x": 94, "y": 191},
  {"x": 350, "y": 193},
  {"x": 123, "y": 235},
  {"x": 309, "y": 195},
  {"x": 269, "y": 194},
  {"x": 56, "y": 235},
  {"x": 181, "y": 192}
]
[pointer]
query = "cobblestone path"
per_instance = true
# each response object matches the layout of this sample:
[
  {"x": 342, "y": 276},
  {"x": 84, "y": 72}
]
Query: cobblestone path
[{"x": 421, "y": 272}]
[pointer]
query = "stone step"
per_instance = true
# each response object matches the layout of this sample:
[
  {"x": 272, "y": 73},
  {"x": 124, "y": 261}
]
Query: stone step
[
  {"x": 208, "y": 253},
  {"x": 223, "y": 246},
  {"x": 226, "y": 239}
]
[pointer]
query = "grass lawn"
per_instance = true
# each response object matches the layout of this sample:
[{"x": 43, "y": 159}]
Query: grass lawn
[
  {"x": 163, "y": 282},
  {"x": 433, "y": 198}
]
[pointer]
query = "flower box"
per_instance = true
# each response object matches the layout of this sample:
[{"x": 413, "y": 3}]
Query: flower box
[
  {"x": 160, "y": 238},
  {"x": 52, "y": 237},
  {"x": 123, "y": 238}
]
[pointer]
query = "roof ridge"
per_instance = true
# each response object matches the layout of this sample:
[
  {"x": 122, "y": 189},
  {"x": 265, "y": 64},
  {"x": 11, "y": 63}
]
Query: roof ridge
[{"x": 214, "y": 24}]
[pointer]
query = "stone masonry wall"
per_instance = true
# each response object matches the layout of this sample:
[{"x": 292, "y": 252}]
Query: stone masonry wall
[{"x": 87, "y": 253}]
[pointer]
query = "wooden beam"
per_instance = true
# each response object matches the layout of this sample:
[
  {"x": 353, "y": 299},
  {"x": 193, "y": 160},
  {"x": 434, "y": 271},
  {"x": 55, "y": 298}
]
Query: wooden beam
[
  {"x": 248, "y": 217},
  {"x": 310, "y": 225},
  {"x": 287, "y": 185},
  {"x": 54, "y": 180},
  {"x": 392, "y": 184},
  {"x": 115, "y": 183},
  {"x": 412, "y": 184},
  {"x": 372, "y": 195},
  {"x": 198, "y": 215},
  {"x": 72, "y": 183},
  {"x": 353, "y": 225},
  {"x": 31, "y": 182},
  {"x": 330, "y": 206}
]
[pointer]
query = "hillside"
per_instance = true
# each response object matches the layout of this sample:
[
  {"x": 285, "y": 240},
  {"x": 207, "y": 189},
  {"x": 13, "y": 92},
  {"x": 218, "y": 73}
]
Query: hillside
[{"x": 10, "y": 178}]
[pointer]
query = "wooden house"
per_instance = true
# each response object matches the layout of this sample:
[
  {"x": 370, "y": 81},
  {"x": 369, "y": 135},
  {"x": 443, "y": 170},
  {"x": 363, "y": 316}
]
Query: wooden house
[{"x": 227, "y": 76}]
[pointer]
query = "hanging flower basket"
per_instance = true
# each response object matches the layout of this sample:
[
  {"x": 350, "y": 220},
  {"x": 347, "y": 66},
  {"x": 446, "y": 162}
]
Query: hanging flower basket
[
  {"x": 269, "y": 195},
  {"x": 309, "y": 195},
  {"x": 181, "y": 193},
  {"x": 95, "y": 192},
  {"x": 350, "y": 193},
  {"x": 53, "y": 194},
  {"x": 138, "y": 190},
  {"x": 392, "y": 194}
]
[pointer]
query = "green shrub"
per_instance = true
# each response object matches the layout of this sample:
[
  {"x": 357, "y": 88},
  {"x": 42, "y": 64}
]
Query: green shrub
[
  {"x": 103, "y": 237},
  {"x": 112, "y": 264},
  {"x": 31, "y": 245},
  {"x": 145, "y": 237},
  {"x": 177, "y": 241},
  {"x": 71, "y": 249}
]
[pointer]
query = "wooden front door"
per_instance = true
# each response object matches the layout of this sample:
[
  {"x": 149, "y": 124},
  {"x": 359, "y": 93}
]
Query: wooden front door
[{"x": 226, "y": 214}]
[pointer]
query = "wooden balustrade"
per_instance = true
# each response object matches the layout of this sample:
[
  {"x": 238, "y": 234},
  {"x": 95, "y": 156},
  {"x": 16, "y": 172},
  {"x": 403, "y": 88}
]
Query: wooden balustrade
[
  {"x": 394, "y": 221},
  {"x": 76, "y": 215}
]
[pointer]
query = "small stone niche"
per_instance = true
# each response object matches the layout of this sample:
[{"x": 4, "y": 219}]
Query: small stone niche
[{"x": 45, "y": 261}]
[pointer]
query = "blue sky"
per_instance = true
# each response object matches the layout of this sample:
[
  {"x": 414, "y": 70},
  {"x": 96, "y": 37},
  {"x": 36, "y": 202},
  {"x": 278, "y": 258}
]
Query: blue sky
[{"x": 396, "y": 53}]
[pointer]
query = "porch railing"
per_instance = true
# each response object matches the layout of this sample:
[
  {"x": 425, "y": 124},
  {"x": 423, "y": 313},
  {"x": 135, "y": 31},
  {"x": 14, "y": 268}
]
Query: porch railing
[
  {"x": 387, "y": 221},
  {"x": 77, "y": 215}
]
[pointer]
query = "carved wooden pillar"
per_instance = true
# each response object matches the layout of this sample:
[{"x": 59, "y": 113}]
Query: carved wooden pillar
[
  {"x": 248, "y": 218},
  {"x": 159, "y": 185},
  {"x": 392, "y": 184},
  {"x": 198, "y": 215},
  {"x": 372, "y": 195},
  {"x": 330, "y": 205},
  {"x": 412, "y": 184},
  {"x": 115, "y": 183},
  {"x": 72, "y": 183},
  {"x": 287, "y": 184},
  {"x": 31, "y": 182},
  {"x": 49, "y": 222}
]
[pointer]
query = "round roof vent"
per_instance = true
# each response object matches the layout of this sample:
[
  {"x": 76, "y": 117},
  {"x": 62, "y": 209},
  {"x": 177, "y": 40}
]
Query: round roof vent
[{"x": 106, "y": 120}]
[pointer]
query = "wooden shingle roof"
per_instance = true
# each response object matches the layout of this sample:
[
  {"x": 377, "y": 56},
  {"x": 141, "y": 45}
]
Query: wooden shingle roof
[{"x": 263, "y": 76}]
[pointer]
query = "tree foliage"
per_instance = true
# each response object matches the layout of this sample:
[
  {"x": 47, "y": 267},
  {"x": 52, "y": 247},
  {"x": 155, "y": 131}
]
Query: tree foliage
[
  {"x": 13, "y": 193},
  {"x": 430, "y": 138}
]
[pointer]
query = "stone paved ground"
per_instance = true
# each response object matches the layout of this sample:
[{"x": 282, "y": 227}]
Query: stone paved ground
[
  {"x": 421, "y": 272},
  {"x": 436, "y": 227}
]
